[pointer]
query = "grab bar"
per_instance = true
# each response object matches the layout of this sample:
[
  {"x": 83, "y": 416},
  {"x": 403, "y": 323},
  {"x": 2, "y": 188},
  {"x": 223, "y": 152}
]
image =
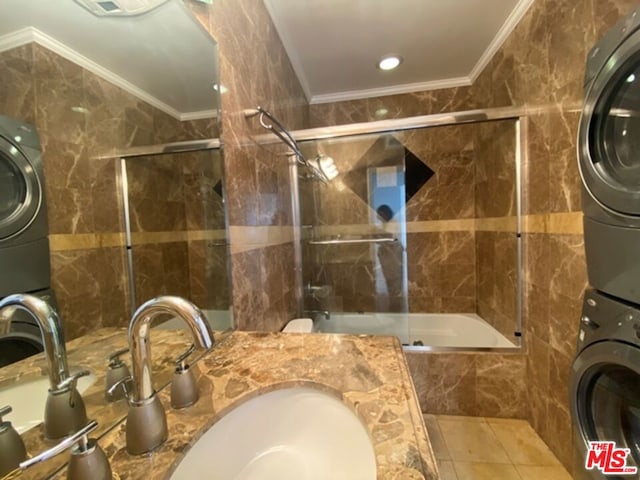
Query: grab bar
[{"x": 345, "y": 241}]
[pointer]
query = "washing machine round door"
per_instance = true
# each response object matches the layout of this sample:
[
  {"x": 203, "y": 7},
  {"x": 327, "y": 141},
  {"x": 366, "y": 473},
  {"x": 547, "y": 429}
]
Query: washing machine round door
[
  {"x": 20, "y": 191},
  {"x": 605, "y": 398},
  {"x": 609, "y": 133}
]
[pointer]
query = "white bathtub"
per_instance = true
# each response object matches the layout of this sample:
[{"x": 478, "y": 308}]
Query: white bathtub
[{"x": 463, "y": 330}]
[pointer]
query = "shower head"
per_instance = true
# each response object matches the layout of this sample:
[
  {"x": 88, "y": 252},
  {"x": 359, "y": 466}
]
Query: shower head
[{"x": 324, "y": 165}]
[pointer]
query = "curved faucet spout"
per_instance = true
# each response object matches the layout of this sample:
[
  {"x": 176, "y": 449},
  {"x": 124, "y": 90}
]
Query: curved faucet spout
[
  {"x": 139, "y": 330},
  {"x": 51, "y": 328}
]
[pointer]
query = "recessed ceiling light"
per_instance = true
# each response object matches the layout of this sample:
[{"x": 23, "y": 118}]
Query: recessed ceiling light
[{"x": 389, "y": 62}]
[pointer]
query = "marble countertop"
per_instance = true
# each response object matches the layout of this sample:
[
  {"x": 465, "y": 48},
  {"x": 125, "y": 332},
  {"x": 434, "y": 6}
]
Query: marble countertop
[
  {"x": 370, "y": 375},
  {"x": 91, "y": 352}
]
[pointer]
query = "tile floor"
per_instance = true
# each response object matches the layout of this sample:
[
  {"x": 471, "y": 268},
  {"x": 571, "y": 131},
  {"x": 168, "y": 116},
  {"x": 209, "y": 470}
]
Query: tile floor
[{"x": 475, "y": 448}]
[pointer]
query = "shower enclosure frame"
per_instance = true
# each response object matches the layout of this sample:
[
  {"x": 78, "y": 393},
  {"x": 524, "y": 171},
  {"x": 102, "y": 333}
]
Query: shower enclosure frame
[
  {"x": 148, "y": 151},
  {"x": 517, "y": 114}
]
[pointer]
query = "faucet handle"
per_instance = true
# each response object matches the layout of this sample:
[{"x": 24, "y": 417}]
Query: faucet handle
[
  {"x": 65, "y": 444},
  {"x": 180, "y": 361},
  {"x": 125, "y": 382},
  {"x": 71, "y": 380},
  {"x": 88, "y": 461},
  {"x": 5, "y": 411},
  {"x": 114, "y": 358}
]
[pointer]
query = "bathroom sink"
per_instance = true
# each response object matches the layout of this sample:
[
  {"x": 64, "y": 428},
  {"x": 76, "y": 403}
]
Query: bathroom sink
[
  {"x": 291, "y": 434},
  {"x": 28, "y": 399}
]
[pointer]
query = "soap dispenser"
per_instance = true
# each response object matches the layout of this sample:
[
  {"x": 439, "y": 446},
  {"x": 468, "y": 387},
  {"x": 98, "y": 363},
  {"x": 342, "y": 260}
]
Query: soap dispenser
[
  {"x": 117, "y": 370},
  {"x": 12, "y": 449},
  {"x": 184, "y": 386}
]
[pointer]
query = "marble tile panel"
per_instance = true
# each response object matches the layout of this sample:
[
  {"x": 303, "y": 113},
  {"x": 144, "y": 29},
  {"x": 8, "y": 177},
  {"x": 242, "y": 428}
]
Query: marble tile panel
[
  {"x": 564, "y": 318},
  {"x": 471, "y": 441},
  {"x": 446, "y": 469},
  {"x": 17, "y": 98},
  {"x": 568, "y": 274},
  {"x": 435, "y": 436},
  {"x": 521, "y": 443},
  {"x": 529, "y": 472},
  {"x": 485, "y": 471},
  {"x": 539, "y": 357}
]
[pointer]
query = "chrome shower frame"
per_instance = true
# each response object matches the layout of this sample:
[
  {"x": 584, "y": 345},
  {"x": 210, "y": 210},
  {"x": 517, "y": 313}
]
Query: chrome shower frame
[{"x": 519, "y": 115}]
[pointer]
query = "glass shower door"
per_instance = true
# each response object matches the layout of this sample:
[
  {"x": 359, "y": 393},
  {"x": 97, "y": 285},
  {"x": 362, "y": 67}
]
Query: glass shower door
[{"x": 354, "y": 237}]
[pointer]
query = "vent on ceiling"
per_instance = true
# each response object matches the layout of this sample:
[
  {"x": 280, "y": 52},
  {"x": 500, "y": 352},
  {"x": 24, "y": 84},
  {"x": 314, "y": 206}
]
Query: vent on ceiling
[{"x": 120, "y": 8}]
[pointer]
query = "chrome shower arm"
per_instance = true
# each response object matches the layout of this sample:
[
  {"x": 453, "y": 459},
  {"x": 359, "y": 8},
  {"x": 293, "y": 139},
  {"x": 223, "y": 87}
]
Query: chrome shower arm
[{"x": 279, "y": 130}]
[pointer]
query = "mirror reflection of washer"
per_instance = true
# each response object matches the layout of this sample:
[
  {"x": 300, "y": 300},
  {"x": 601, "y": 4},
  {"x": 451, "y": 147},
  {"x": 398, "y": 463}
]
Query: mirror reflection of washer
[
  {"x": 605, "y": 380},
  {"x": 609, "y": 161},
  {"x": 24, "y": 246}
]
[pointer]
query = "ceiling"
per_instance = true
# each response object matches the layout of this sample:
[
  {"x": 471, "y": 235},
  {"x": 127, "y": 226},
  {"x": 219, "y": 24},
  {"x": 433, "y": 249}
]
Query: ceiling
[
  {"x": 163, "y": 57},
  {"x": 334, "y": 45}
]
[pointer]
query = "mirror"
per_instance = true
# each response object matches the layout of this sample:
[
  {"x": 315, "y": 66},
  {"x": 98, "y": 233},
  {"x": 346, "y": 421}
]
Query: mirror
[{"x": 77, "y": 89}]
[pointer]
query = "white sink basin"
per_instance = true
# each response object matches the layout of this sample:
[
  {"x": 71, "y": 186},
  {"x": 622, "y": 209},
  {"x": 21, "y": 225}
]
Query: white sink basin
[
  {"x": 291, "y": 434},
  {"x": 28, "y": 399}
]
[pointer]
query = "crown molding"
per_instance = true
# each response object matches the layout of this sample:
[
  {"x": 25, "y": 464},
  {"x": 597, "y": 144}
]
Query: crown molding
[
  {"x": 507, "y": 28},
  {"x": 30, "y": 34},
  {"x": 392, "y": 90}
]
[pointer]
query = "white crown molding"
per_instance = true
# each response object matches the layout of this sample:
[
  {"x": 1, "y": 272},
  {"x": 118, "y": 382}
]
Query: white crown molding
[
  {"x": 392, "y": 90},
  {"x": 506, "y": 29},
  {"x": 292, "y": 52},
  {"x": 31, "y": 34}
]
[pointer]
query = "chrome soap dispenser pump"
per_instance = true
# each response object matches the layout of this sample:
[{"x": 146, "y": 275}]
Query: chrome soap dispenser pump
[{"x": 12, "y": 449}]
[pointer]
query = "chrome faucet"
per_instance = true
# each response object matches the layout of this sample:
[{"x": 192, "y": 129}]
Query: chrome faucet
[
  {"x": 312, "y": 313},
  {"x": 146, "y": 427},
  {"x": 64, "y": 411}
]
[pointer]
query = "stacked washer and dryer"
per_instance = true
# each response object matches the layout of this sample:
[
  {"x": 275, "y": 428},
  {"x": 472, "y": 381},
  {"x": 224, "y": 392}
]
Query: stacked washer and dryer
[
  {"x": 24, "y": 246},
  {"x": 605, "y": 384}
]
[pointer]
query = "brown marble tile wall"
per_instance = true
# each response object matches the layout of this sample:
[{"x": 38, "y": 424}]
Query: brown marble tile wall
[
  {"x": 441, "y": 265},
  {"x": 256, "y": 71},
  {"x": 79, "y": 115},
  {"x": 174, "y": 195},
  {"x": 476, "y": 384},
  {"x": 392, "y": 106},
  {"x": 442, "y": 272},
  {"x": 495, "y": 197},
  {"x": 542, "y": 65}
]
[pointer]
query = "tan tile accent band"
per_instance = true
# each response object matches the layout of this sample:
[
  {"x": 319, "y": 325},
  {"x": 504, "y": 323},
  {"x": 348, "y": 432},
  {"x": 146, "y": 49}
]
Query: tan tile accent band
[
  {"x": 250, "y": 238},
  {"x": 243, "y": 238},
  {"x": 568, "y": 223},
  {"x": 87, "y": 241}
]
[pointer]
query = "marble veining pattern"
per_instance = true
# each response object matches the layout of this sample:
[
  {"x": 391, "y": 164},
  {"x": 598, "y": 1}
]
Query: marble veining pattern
[{"x": 368, "y": 373}]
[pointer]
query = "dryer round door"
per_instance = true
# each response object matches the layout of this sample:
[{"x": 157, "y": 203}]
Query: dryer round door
[
  {"x": 605, "y": 398},
  {"x": 609, "y": 133},
  {"x": 20, "y": 191}
]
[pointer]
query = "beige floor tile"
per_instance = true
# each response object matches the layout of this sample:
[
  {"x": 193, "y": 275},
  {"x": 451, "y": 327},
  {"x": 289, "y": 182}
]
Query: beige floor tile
[
  {"x": 529, "y": 472},
  {"x": 522, "y": 443},
  {"x": 437, "y": 442},
  {"x": 460, "y": 418},
  {"x": 471, "y": 441},
  {"x": 447, "y": 470},
  {"x": 486, "y": 471}
]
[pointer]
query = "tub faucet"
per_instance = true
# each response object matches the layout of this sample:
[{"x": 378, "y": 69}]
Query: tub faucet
[
  {"x": 313, "y": 313},
  {"x": 146, "y": 427},
  {"x": 64, "y": 410}
]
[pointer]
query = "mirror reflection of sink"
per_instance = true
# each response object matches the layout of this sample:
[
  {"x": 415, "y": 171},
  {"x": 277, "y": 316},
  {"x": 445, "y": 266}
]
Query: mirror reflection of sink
[
  {"x": 28, "y": 399},
  {"x": 297, "y": 433}
]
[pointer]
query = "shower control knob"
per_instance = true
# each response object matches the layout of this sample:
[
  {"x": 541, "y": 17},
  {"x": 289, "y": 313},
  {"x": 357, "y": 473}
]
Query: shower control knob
[{"x": 587, "y": 322}]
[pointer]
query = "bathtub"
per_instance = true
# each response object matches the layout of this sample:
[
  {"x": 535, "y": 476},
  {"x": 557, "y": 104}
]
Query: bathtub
[{"x": 460, "y": 330}]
